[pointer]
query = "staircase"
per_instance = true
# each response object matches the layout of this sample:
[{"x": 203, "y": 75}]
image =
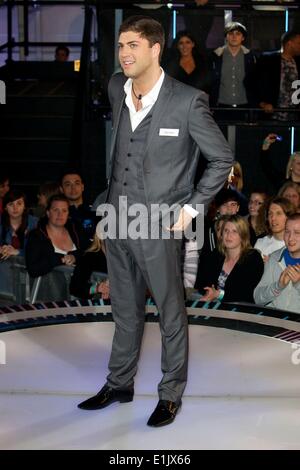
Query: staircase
[{"x": 35, "y": 127}]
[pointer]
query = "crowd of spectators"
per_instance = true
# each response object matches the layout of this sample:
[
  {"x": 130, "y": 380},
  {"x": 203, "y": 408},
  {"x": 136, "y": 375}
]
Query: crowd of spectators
[
  {"x": 252, "y": 237},
  {"x": 246, "y": 236}
]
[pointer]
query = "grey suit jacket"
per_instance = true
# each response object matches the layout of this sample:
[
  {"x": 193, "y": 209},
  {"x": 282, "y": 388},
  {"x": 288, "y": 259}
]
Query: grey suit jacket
[{"x": 170, "y": 163}]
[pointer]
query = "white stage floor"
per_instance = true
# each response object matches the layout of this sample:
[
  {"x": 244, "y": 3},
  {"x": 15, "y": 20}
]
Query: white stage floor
[
  {"x": 243, "y": 392},
  {"x": 54, "y": 422}
]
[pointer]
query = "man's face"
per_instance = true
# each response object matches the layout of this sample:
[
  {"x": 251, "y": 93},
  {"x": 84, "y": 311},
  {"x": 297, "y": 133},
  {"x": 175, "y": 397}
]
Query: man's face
[
  {"x": 73, "y": 188},
  {"x": 61, "y": 55},
  {"x": 229, "y": 208},
  {"x": 235, "y": 38},
  {"x": 136, "y": 56},
  {"x": 292, "y": 237},
  {"x": 294, "y": 45}
]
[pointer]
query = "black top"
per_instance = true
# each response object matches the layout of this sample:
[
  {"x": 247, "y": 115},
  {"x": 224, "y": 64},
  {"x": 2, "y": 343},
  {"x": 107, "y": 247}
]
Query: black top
[
  {"x": 241, "y": 281},
  {"x": 82, "y": 216},
  {"x": 80, "y": 282},
  {"x": 200, "y": 77},
  {"x": 40, "y": 256},
  {"x": 268, "y": 75}
]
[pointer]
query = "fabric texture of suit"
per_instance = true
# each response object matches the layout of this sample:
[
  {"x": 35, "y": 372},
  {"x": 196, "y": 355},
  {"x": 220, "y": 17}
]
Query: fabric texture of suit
[{"x": 161, "y": 171}]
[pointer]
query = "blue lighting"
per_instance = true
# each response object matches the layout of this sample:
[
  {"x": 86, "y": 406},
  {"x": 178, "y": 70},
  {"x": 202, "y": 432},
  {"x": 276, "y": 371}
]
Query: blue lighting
[
  {"x": 286, "y": 20},
  {"x": 292, "y": 139},
  {"x": 174, "y": 24}
]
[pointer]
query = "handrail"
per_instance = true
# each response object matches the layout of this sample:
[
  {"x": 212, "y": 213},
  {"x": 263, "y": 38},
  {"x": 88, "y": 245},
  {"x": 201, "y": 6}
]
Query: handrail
[{"x": 83, "y": 91}]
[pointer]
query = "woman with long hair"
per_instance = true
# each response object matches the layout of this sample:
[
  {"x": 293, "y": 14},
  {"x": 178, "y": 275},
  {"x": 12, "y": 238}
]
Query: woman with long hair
[
  {"x": 187, "y": 64},
  {"x": 291, "y": 191},
  {"x": 232, "y": 271},
  {"x": 255, "y": 206},
  {"x": 276, "y": 211},
  {"x": 15, "y": 225}
]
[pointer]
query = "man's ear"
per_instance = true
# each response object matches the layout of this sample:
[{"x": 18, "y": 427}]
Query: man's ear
[{"x": 156, "y": 49}]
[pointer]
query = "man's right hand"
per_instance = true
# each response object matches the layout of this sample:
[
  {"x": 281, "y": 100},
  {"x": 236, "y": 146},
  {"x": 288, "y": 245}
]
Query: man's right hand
[{"x": 267, "y": 107}]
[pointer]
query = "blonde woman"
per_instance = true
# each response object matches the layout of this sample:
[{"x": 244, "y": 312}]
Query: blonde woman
[
  {"x": 232, "y": 271},
  {"x": 291, "y": 191},
  {"x": 235, "y": 182}
]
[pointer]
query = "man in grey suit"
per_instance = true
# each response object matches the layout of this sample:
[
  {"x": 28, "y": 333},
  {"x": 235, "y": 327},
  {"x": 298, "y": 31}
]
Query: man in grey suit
[{"x": 159, "y": 128}]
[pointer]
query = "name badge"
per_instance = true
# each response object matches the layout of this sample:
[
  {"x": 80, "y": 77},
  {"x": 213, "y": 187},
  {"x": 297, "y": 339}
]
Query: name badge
[{"x": 169, "y": 132}]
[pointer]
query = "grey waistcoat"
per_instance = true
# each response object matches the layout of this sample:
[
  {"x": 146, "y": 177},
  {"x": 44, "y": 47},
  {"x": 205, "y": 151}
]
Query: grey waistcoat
[{"x": 127, "y": 176}]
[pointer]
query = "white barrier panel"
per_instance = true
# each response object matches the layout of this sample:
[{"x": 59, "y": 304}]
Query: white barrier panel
[{"x": 72, "y": 358}]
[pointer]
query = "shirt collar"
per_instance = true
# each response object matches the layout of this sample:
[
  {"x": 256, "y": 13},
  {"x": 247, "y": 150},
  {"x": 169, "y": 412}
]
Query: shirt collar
[{"x": 151, "y": 96}]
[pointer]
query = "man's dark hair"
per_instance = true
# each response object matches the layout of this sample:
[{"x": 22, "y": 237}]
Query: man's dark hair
[
  {"x": 235, "y": 26},
  {"x": 295, "y": 216},
  {"x": 147, "y": 27},
  {"x": 288, "y": 36},
  {"x": 70, "y": 171},
  {"x": 62, "y": 47},
  {"x": 226, "y": 195}
]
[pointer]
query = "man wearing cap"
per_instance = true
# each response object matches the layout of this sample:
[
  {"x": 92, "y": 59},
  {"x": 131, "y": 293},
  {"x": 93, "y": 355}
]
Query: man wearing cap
[{"x": 232, "y": 64}]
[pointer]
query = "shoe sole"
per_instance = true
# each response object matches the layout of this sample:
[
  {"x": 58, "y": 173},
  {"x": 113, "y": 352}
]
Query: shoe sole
[{"x": 100, "y": 407}]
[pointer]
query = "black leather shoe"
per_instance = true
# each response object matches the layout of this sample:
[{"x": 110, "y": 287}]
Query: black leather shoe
[
  {"x": 105, "y": 397},
  {"x": 164, "y": 413}
]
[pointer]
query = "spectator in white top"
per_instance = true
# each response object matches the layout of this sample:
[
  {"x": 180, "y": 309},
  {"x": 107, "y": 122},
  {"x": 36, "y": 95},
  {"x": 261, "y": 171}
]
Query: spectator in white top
[{"x": 277, "y": 211}]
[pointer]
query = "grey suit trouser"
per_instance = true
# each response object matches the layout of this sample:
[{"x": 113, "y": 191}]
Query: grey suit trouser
[{"x": 132, "y": 266}]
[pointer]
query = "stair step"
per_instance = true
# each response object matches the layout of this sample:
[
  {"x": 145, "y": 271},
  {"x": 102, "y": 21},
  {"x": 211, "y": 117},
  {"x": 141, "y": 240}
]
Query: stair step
[
  {"x": 41, "y": 105},
  {"x": 28, "y": 147},
  {"x": 35, "y": 126}
]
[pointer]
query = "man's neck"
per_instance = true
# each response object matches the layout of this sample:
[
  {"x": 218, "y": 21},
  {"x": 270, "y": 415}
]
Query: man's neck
[
  {"x": 234, "y": 50},
  {"x": 287, "y": 55},
  {"x": 76, "y": 203},
  {"x": 144, "y": 84},
  {"x": 295, "y": 255}
]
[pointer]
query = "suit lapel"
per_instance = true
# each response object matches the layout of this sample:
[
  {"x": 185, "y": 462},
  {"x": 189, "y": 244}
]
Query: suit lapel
[
  {"x": 116, "y": 126},
  {"x": 158, "y": 112},
  {"x": 159, "y": 109}
]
